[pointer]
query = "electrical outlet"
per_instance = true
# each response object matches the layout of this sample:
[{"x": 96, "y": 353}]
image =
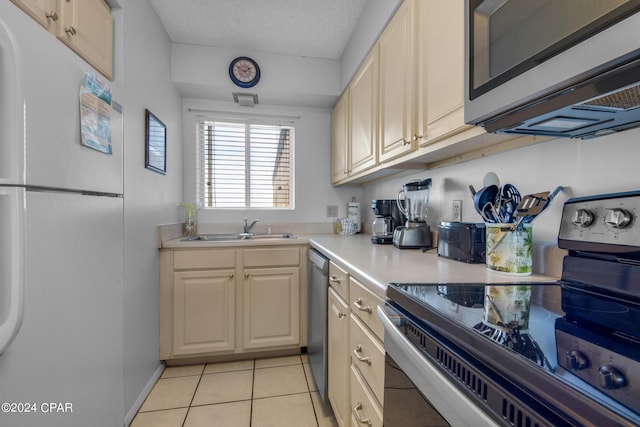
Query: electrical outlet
[
  {"x": 332, "y": 211},
  {"x": 457, "y": 210}
]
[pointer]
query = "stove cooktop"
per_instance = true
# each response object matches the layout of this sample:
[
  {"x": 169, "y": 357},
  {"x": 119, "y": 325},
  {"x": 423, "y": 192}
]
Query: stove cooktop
[{"x": 510, "y": 328}]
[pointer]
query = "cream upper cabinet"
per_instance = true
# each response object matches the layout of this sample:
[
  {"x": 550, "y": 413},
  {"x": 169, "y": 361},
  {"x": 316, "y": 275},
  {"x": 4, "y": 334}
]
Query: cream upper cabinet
[
  {"x": 86, "y": 26},
  {"x": 363, "y": 113},
  {"x": 338, "y": 357},
  {"x": 340, "y": 139},
  {"x": 45, "y": 12},
  {"x": 397, "y": 84},
  {"x": 440, "y": 56}
]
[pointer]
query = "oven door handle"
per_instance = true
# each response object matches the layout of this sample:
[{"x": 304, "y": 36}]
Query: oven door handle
[{"x": 449, "y": 400}]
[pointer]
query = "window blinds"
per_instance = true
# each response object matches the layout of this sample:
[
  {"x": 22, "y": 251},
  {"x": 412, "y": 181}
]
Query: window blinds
[{"x": 243, "y": 165}]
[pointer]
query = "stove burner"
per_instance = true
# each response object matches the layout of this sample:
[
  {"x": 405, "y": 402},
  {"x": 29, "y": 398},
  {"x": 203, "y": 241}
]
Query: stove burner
[{"x": 513, "y": 339}]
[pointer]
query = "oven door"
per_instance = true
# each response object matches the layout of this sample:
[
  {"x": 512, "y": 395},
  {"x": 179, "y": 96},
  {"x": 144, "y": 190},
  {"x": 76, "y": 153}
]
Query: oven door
[{"x": 415, "y": 387}]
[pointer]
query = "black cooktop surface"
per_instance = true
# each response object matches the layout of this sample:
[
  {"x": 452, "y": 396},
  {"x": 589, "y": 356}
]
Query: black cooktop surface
[{"x": 509, "y": 328}]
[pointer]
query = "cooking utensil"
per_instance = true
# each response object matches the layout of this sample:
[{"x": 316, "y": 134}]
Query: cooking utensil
[
  {"x": 509, "y": 200},
  {"x": 490, "y": 178},
  {"x": 550, "y": 198},
  {"x": 530, "y": 206},
  {"x": 484, "y": 196}
]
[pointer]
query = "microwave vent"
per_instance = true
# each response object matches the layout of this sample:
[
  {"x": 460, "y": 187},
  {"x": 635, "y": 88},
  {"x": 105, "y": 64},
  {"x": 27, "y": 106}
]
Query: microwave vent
[{"x": 626, "y": 99}]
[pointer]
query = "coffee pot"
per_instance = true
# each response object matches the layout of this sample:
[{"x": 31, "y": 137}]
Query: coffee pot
[{"x": 388, "y": 217}]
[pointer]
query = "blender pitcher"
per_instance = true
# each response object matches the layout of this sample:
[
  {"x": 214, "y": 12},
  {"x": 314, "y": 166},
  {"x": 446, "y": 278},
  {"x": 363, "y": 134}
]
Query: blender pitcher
[
  {"x": 413, "y": 200},
  {"x": 416, "y": 200}
]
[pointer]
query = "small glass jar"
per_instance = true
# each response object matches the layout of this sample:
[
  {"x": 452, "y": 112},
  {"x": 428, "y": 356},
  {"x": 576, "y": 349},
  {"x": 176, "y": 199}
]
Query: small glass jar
[{"x": 190, "y": 223}]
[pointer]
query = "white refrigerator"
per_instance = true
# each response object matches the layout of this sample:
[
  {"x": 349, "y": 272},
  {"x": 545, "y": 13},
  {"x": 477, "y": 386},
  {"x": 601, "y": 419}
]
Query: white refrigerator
[{"x": 61, "y": 241}]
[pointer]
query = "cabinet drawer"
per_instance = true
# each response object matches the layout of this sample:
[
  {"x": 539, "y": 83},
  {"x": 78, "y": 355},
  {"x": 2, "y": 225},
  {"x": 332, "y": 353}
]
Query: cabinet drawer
[
  {"x": 338, "y": 280},
  {"x": 271, "y": 257},
  {"x": 364, "y": 304},
  {"x": 363, "y": 404},
  {"x": 199, "y": 258},
  {"x": 367, "y": 354}
]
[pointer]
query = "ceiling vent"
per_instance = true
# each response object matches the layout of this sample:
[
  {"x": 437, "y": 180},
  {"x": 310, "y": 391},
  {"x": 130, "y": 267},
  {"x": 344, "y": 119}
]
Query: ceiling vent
[{"x": 245, "y": 99}]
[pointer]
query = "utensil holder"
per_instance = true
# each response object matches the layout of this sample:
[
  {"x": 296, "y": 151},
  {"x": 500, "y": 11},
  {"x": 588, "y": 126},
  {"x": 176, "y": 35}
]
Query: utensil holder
[{"x": 509, "y": 249}]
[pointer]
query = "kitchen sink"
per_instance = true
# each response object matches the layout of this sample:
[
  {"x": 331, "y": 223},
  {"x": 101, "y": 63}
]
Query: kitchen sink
[{"x": 238, "y": 236}]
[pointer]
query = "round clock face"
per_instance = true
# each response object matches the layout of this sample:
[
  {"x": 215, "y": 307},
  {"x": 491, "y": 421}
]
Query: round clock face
[{"x": 244, "y": 72}]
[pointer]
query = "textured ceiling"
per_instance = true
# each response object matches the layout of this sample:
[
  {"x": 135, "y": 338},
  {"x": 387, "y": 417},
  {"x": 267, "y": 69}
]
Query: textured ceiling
[{"x": 308, "y": 28}]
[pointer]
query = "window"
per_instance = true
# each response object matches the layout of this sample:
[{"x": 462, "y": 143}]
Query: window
[{"x": 244, "y": 165}]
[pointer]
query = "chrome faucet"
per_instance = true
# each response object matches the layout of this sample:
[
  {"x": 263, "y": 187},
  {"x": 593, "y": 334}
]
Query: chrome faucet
[{"x": 247, "y": 226}]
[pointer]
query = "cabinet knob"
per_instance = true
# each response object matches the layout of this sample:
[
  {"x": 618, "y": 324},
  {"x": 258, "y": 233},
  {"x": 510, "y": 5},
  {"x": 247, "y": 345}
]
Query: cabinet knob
[
  {"x": 405, "y": 141},
  {"x": 52, "y": 15},
  {"x": 417, "y": 137},
  {"x": 337, "y": 312},
  {"x": 231, "y": 276},
  {"x": 357, "y": 351},
  {"x": 246, "y": 275},
  {"x": 70, "y": 30},
  {"x": 334, "y": 279},
  {"x": 359, "y": 306},
  {"x": 356, "y": 414}
]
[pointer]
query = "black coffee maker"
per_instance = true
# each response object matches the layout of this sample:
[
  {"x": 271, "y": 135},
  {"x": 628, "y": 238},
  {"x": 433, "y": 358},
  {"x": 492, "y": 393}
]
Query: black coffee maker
[{"x": 388, "y": 217}]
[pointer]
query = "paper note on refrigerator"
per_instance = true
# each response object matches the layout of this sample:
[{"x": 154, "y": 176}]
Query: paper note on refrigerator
[{"x": 95, "y": 113}]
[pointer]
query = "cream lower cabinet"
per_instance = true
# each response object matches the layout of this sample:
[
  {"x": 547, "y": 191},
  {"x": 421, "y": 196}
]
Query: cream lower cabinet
[
  {"x": 203, "y": 311},
  {"x": 271, "y": 307},
  {"x": 366, "y": 335},
  {"x": 339, "y": 357},
  {"x": 217, "y": 302}
]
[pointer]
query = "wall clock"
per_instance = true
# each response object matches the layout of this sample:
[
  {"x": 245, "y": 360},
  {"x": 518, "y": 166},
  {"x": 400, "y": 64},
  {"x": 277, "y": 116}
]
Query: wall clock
[{"x": 244, "y": 72}]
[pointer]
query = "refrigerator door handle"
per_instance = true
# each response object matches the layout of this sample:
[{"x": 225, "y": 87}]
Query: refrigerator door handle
[{"x": 12, "y": 263}]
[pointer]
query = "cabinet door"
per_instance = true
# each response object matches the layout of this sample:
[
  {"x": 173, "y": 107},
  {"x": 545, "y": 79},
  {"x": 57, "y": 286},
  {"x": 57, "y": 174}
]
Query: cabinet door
[
  {"x": 441, "y": 70},
  {"x": 397, "y": 77},
  {"x": 340, "y": 139},
  {"x": 43, "y": 11},
  {"x": 203, "y": 311},
  {"x": 364, "y": 116},
  {"x": 338, "y": 355},
  {"x": 271, "y": 307},
  {"x": 86, "y": 26}
]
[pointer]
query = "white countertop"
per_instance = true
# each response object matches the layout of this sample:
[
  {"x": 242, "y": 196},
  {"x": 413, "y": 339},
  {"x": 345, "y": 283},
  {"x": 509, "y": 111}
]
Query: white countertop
[{"x": 377, "y": 265}]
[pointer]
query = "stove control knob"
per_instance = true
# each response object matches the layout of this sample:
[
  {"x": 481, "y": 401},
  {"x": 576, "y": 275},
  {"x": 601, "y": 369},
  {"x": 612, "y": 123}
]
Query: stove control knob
[
  {"x": 582, "y": 218},
  {"x": 617, "y": 218},
  {"x": 610, "y": 377},
  {"x": 575, "y": 360}
]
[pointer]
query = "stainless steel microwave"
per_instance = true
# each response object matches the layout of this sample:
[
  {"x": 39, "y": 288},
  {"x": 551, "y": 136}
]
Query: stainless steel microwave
[{"x": 562, "y": 68}]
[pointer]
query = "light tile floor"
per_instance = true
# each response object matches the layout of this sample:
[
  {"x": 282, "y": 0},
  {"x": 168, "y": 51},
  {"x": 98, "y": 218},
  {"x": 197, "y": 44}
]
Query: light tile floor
[{"x": 277, "y": 392}]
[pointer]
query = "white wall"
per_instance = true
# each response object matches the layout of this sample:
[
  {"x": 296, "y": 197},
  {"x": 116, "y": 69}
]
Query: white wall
[
  {"x": 313, "y": 191},
  {"x": 602, "y": 165},
  {"x": 203, "y": 72},
  {"x": 143, "y": 65},
  {"x": 373, "y": 20}
]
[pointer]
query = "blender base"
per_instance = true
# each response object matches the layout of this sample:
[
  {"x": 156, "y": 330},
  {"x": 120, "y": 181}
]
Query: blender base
[{"x": 413, "y": 237}]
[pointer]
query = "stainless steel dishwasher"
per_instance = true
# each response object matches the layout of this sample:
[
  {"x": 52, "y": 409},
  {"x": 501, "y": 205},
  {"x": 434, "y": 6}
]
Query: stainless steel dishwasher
[{"x": 317, "y": 334}]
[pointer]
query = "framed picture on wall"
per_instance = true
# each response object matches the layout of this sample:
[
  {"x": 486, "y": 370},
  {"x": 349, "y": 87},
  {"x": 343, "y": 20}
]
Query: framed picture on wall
[{"x": 155, "y": 144}]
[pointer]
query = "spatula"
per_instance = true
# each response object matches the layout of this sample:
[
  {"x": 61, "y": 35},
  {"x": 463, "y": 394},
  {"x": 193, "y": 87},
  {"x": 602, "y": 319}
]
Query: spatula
[{"x": 530, "y": 205}]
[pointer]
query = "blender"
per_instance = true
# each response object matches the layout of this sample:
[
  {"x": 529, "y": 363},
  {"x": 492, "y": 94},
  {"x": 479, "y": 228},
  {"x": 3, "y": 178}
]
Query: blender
[
  {"x": 388, "y": 217},
  {"x": 416, "y": 232}
]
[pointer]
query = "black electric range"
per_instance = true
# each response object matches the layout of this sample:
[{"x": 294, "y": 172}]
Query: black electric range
[{"x": 559, "y": 353}]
